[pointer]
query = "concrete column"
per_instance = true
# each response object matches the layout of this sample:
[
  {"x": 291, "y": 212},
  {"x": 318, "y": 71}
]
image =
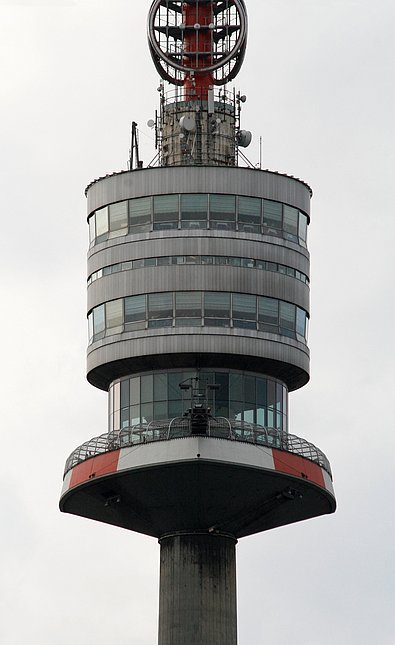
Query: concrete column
[{"x": 197, "y": 593}]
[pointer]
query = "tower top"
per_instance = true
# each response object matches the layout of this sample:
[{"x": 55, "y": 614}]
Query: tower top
[{"x": 197, "y": 43}]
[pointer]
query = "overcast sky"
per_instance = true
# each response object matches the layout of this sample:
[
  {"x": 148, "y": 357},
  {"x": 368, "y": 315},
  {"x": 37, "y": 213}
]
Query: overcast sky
[{"x": 319, "y": 77}]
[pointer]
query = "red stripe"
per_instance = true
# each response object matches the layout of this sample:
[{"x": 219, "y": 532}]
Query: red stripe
[
  {"x": 95, "y": 467},
  {"x": 286, "y": 462}
]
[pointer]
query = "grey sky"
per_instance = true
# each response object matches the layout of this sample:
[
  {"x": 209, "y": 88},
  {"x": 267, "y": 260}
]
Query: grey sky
[{"x": 319, "y": 77}]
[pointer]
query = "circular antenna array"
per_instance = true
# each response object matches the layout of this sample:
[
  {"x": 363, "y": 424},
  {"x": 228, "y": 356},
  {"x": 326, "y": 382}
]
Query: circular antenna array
[{"x": 192, "y": 37}]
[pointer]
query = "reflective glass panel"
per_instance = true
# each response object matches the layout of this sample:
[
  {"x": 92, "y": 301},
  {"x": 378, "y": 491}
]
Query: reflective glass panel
[
  {"x": 160, "y": 305},
  {"x": 272, "y": 216},
  {"x": 102, "y": 221},
  {"x": 114, "y": 316},
  {"x": 244, "y": 306},
  {"x": 249, "y": 216},
  {"x": 140, "y": 214},
  {"x": 194, "y": 207},
  {"x": 291, "y": 223},
  {"x": 166, "y": 208},
  {"x": 268, "y": 311},
  {"x": 119, "y": 218},
  {"x": 134, "y": 308},
  {"x": 302, "y": 227},
  {"x": 287, "y": 319},
  {"x": 188, "y": 303},
  {"x": 216, "y": 304},
  {"x": 98, "y": 320},
  {"x": 300, "y": 323}
]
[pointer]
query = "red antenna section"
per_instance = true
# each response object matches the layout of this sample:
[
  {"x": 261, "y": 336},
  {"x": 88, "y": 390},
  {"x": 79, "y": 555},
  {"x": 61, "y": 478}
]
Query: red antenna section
[{"x": 197, "y": 43}]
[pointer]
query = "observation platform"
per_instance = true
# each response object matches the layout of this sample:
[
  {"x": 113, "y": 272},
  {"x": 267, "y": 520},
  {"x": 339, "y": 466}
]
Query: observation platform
[{"x": 237, "y": 478}]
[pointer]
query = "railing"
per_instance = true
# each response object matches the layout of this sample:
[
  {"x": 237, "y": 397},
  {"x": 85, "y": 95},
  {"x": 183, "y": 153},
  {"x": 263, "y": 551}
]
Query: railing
[{"x": 180, "y": 427}]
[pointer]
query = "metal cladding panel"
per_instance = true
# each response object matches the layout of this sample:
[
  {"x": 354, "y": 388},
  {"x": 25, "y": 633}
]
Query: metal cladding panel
[
  {"x": 206, "y": 179},
  {"x": 124, "y": 354},
  {"x": 198, "y": 278},
  {"x": 156, "y": 244}
]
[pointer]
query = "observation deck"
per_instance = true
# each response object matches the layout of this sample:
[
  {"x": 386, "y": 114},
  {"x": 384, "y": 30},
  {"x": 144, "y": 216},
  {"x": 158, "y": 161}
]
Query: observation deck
[{"x": 158, "y": 477}]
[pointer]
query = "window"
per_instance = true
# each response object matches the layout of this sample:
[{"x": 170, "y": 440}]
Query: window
[
  {"x": 249, "y": 216},
  {"x": 118, "y": 219},
  {"x": 290, "y": 223},
  {"x": 301, "y": 330},
  {"x": 140, "y": 215},
  {"x": 165, "y": 212},
  {"x": 189, "y": 304},
  {"x": 216, "y": 305},
  {"x": 134, "y": 309},
  {"x": 98, "y": 322},
  {"x": 160, "y": 309},
  {"x": 302, "y": 230},
  {"x": 92, "y": 228},
  {"x": 114, "y": 316},
  {"x": 268, "y": 314},
  {"x": 287, "y": 319},
  {"x": 223, "y": 212},
  {"x": 272, "y": 217},
  {"x": 244, "y": 310},
  {"x": 194, "y": 211},
  {"x": 101, "y": 224}
]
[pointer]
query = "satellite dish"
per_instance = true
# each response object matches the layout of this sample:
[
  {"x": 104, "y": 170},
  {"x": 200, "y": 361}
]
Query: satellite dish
[
  {"x": 151, "y": 123},
  {"x": 243, "y": 138},
  {"x": 187, "y": 123}
]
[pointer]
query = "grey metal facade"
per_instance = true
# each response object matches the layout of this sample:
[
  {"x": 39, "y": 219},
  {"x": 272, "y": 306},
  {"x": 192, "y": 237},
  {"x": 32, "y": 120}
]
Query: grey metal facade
[{"x": 132, "y": 351}]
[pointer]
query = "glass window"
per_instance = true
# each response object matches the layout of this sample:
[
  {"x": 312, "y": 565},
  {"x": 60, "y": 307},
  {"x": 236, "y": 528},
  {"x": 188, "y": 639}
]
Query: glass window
[
  {"x": 90, "y": 326},
  {"x": 102, "y": 222},
  {"x": 287, "y": 319},
  {"x": 147, "y": 388},
  {"x": 125, "y": 402},
  {"x": 92, "y": 228},
  {"x": 134, "y": 308},
  {"x": 160, "y": 387},
  {"x": 302, "y": 232},
  {"x": 118, "y": 219},
  {"x": 188, "y": 303},
  {"x": 160, "y": 305},
  {"x": 244, "y": 306},
  {"x": 236, "y": 389},
  {"x": 114, "y": 316},
  {"x": 249, "y": 216},
  {"x": 135, "y": 390},
  {"x": 194, "y": 211},
  {"x": 217, "y": 304},
  {"x": 140, "y": 214},
  {"x": 223, "y": 212},
  {"x": 268, "y": 314},
  {"x": 166, "y": 211},
  {"x": 272, "y": 217},
  {"x": 98, "y": 322},
  {"x": 291, "y": 223},
  {"x": 300, "y": 324}
]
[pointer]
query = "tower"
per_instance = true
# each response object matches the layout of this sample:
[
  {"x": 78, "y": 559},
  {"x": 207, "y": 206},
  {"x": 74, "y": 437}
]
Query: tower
[{"x": 198, "y": 309}]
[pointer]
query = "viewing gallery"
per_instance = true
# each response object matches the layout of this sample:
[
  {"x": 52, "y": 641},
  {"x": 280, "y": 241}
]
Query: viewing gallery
[
  {"x": 199, "y": 211},
  {"x": 197, "y": 309},
  {"x": 238, "y": 395}
]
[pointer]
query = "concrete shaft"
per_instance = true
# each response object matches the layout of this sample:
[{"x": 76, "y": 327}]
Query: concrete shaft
[{"x": 197, "y": 594}]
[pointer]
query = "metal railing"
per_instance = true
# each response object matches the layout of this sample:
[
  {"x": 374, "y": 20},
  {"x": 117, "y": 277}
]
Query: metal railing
[{"x": 180, "y": 427}]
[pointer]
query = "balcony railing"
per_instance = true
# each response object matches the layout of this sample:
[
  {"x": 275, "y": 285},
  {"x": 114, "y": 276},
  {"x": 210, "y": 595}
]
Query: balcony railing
[{"x": 180, "y": 427}]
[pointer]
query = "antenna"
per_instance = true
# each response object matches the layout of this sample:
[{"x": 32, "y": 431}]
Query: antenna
[{"x": 134, "y": 149}]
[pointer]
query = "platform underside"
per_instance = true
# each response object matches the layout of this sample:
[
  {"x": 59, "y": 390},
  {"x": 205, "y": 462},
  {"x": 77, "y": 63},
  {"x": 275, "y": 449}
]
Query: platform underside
[{"x": 207, "y": 485}]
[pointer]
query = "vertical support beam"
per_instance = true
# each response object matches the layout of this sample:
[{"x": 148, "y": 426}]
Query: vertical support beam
[{"x": 197, "y": 592}]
